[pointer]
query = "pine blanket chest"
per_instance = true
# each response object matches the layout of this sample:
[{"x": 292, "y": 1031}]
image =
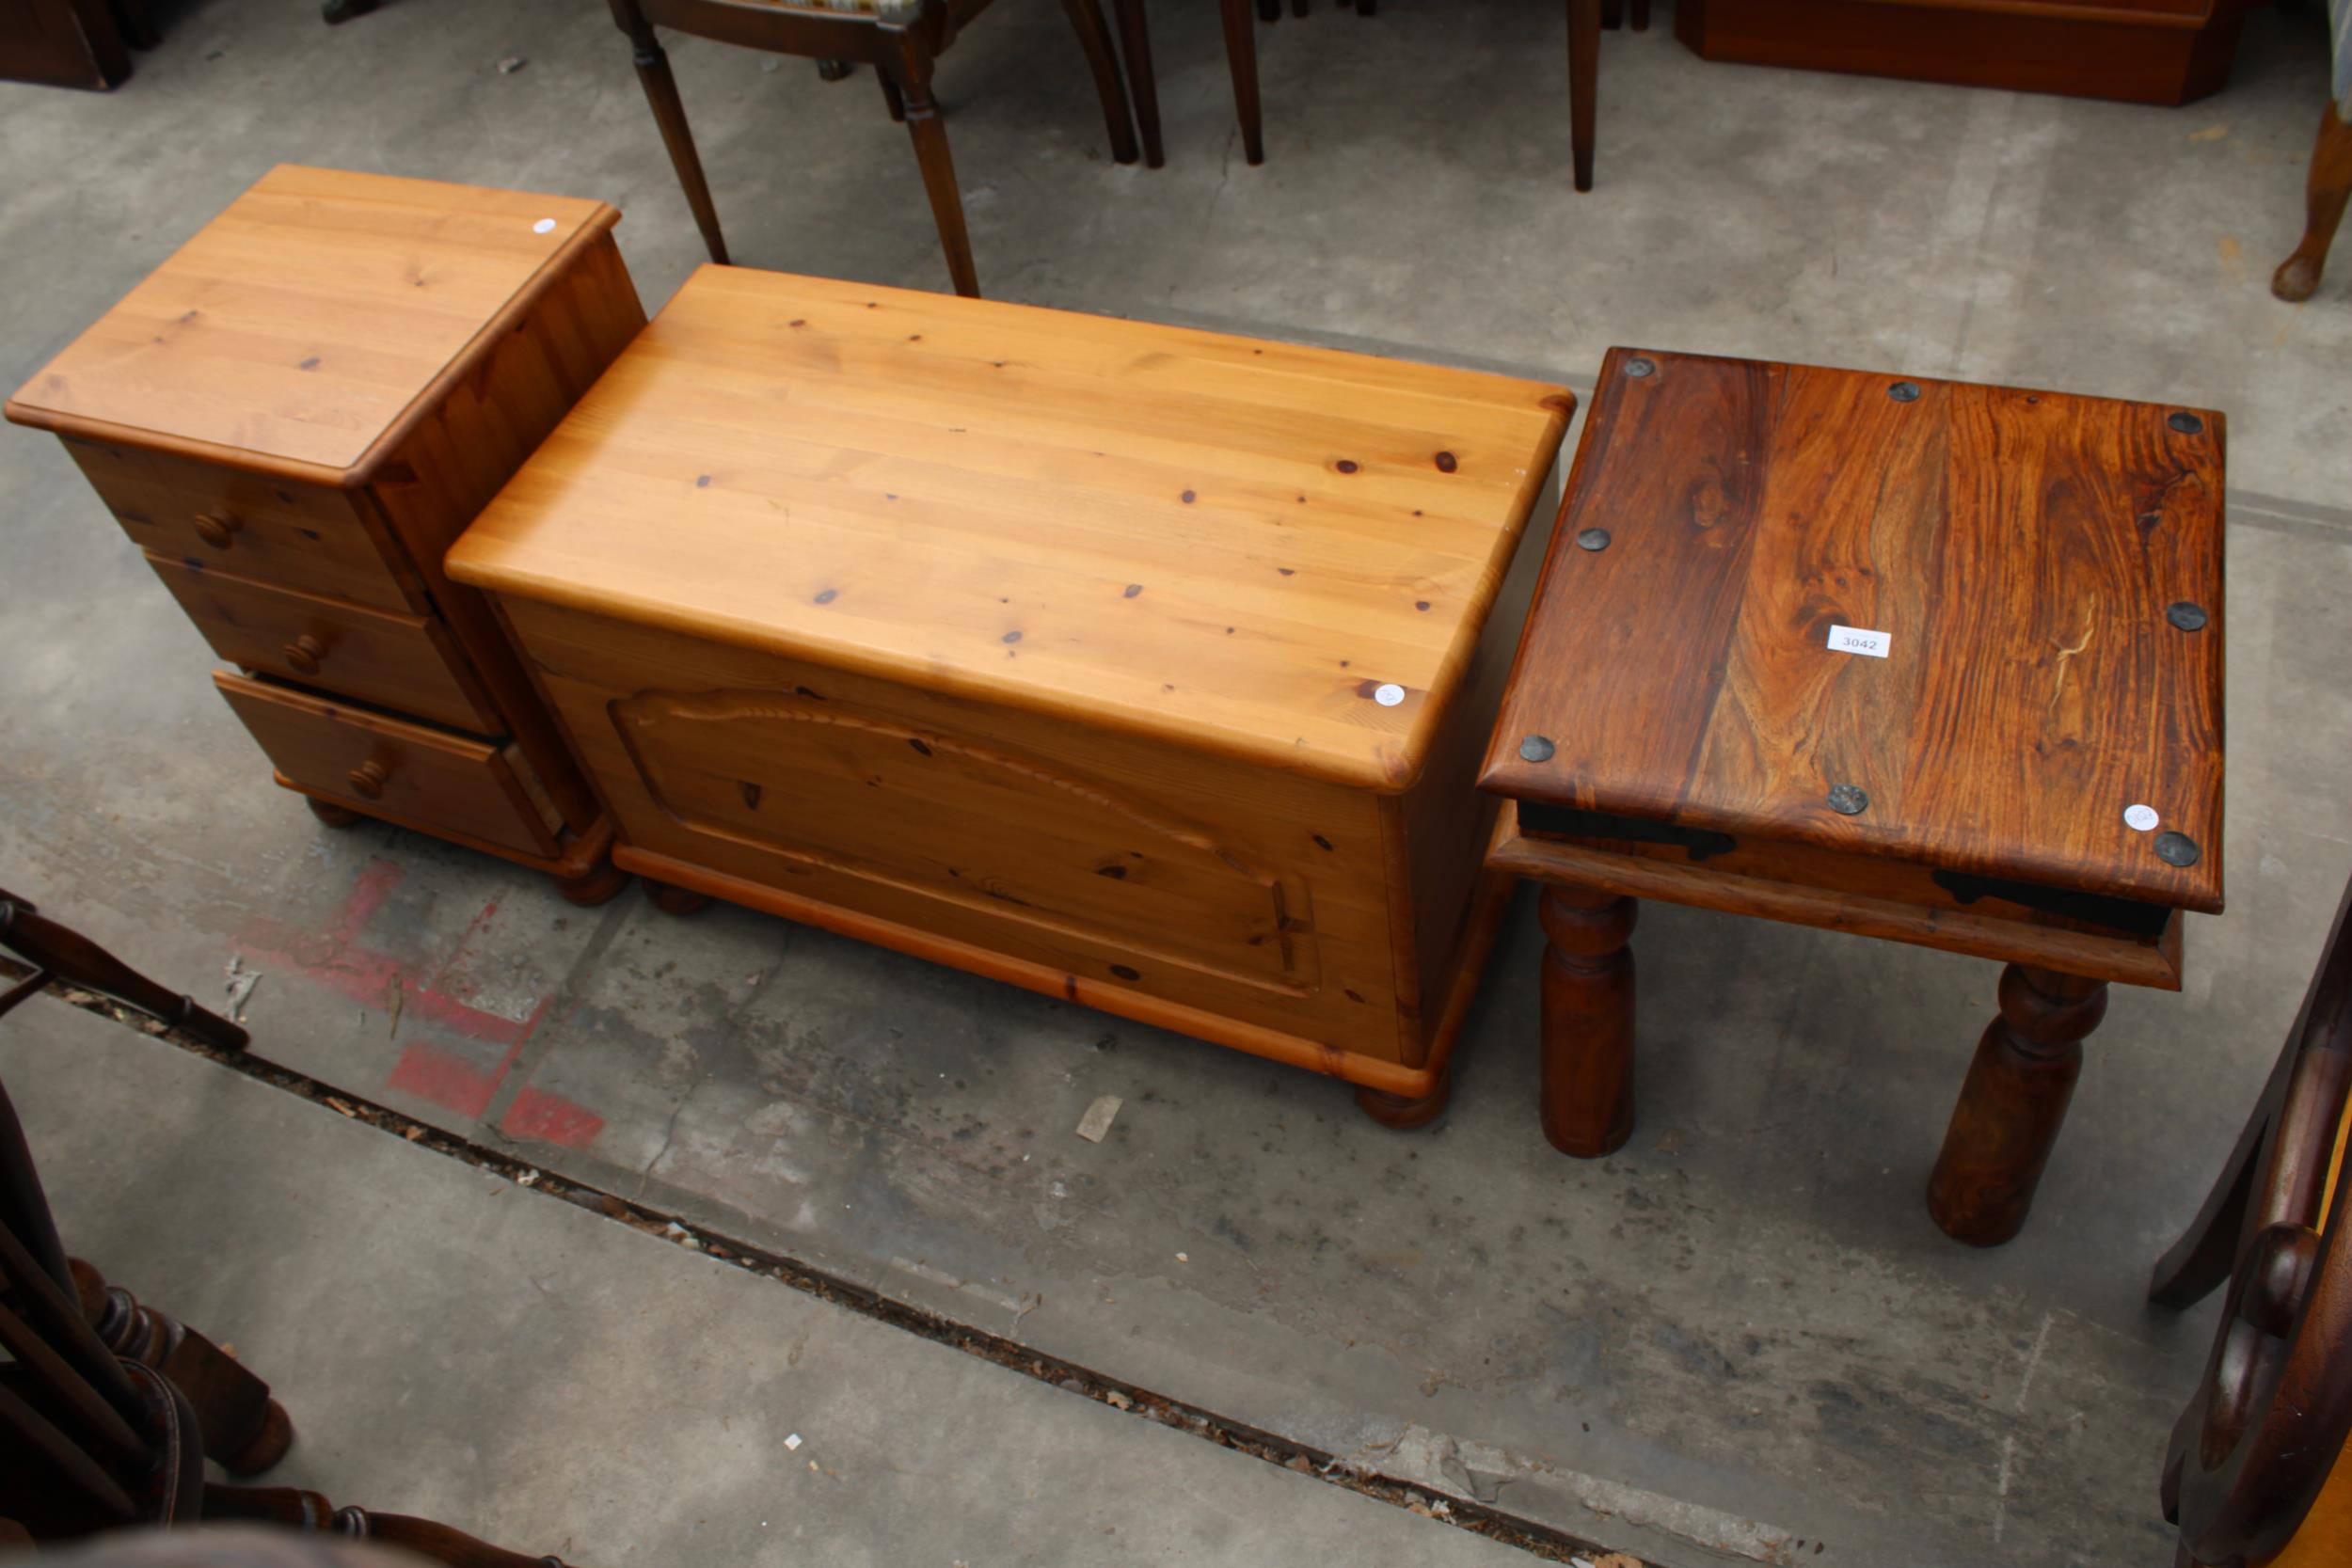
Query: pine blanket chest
[{"x": 1141, "y": 666}]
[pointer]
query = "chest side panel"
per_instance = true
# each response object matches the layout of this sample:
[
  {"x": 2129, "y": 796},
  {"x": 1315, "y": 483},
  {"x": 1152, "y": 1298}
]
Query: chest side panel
[{"x": 1254, "y": 895}]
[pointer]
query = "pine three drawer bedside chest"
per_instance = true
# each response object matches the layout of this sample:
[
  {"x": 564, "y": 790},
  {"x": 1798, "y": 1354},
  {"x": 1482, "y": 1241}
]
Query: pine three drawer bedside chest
[
  {"x": 294, "y": 416},
  {"x": 1143, "y": 667}
]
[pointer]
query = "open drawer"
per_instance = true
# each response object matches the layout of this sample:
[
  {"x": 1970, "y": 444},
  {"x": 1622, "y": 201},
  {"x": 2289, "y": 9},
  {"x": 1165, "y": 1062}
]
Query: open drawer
[{"x": 478, "y": 789}]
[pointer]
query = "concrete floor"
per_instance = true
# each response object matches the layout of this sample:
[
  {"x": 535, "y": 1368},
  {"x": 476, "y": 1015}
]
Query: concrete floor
[{"x": 1740, "y": 1334}]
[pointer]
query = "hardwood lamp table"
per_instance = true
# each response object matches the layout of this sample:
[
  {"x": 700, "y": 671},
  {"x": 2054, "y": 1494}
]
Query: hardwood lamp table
[{"x": 1923, "y": 660}]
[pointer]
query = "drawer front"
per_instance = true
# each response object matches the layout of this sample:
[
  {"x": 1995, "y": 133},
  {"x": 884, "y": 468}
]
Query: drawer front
[
  {"x": 474, "y": 788},
  {"x": 402, "y": 661},
  {"x": 303, "y": 536}
]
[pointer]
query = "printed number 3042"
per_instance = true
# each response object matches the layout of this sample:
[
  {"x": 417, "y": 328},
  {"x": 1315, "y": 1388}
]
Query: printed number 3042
[{"x": 1852, "y": 640}]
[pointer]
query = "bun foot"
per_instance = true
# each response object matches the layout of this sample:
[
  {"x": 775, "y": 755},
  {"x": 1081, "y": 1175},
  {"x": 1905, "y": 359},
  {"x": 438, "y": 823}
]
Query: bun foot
[
  {"x": 593, "y": 886},
  {"x": 331, "y": 813},
  {"x": 674, "y": 900},
  {"x": 1403, "y": 1113}
]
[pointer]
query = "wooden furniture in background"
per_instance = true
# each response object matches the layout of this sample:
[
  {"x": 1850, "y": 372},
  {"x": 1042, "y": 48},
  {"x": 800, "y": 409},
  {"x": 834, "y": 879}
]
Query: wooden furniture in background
[
  {"x": 901, "y": 39},
  {"x": 2029, "y": 769},
  {"x": 2139, "y": 50},
  {"x": 1585, "y": 18},
  {"x": 294, "y": 416},
  {"x": 71, "y": 43},
  {"x": 112, "y": 1407},
  {"x": 2258, "y": 1471},
  {"x": 1143, "y": 667}
]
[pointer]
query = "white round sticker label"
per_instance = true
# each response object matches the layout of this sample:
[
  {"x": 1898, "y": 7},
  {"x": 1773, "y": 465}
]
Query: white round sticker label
[
  {"x": 2142, "y": 818},
  {"x": 544, "y": 226},
  {"x": 1388, "y": 696}
]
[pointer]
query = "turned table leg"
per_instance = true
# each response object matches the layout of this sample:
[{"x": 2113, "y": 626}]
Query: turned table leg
[
  {"x": 2012, "y": 1105},
  {"x": 1588, "y": 1093}
]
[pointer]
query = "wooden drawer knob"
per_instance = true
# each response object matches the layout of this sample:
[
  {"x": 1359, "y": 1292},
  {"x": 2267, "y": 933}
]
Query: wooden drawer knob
[
  {"x": 367, "y": 780},
  {"x": 217, "y": 528},
  {"x": 303, "y": 654}
]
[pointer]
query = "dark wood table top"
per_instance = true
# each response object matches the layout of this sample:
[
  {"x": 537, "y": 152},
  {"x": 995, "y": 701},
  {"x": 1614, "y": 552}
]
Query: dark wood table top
[{"x": 2039, "y": 574}]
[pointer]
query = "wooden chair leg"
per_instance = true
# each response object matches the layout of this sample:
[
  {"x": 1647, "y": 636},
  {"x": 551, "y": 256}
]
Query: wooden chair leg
[
  {"x": 1641, "y": 15},
  {"x": 71, "y": 957},
  {"x": 891, "y": 99},
  {"x": 669, "y": 114},
  {"x": 246, "y": 1432},
  {"x": 1298, "y": 8},
  {"x": 1587, "y": 1092},
  {"x": 930, "y": 135},
  {"x": 1269, "y": 11},
  {"x": 1094, "y": 38},
  {"x": 2326, "y": 190},
  {"x": 307, "y": 1511},
  {"x": 1583, "y": 85},
  {"x": 1241, "y": 58},
  {"x": 1613, "y": 14},
  {"x": 2207, "y": 1251},
  {"x": 2012, "y": 1105},
  {"x": 1134, "y": 42}
]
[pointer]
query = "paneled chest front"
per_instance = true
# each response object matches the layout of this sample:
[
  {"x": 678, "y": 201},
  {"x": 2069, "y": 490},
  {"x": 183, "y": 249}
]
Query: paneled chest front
[
  {"x": 1143, "y": 667},
  {"x": 295, "y": 417}
]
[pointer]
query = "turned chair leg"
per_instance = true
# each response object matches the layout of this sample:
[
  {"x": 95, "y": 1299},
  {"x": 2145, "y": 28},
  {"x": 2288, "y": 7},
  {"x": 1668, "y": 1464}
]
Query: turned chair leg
[
  {"x": 246, "y": 1432},
  {"x": 1584, "y": 86},
  {"x": 309, "y": 1512},
  {"x": 2326, "y": 190},
  {"x": 2012, "y": 1105},
  {"x": 1587, "y": 1092},
  {"x": 891, "y": 99},
  {"x": 1134, "y": 42},
  {"x": 669, "y": 115},
  {"x": 1241, "y": 58},
  {"x": 1094, "y": 38},
  {"x": 912, "y": 69}
]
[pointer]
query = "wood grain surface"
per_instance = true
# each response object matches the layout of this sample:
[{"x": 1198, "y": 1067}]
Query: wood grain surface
[
  {"x": 302, "y": 324},
  {"x": 1228, "y": 545},
  {"x": 2019, "y": 551}
]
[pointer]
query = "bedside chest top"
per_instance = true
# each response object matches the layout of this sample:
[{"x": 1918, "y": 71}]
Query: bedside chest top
[
  {"x": 1277, "y": 553},
  {"x": 1975, "y": 627},
  {"x": 295, "y": 331}
]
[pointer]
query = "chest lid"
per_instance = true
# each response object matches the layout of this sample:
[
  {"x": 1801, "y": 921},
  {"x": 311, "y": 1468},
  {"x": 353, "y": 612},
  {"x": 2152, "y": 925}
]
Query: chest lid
[
  {"x": 1277, "y": 553},
  {"x": 296, "y": 332},
  {"x": 1976, "y": 627}
]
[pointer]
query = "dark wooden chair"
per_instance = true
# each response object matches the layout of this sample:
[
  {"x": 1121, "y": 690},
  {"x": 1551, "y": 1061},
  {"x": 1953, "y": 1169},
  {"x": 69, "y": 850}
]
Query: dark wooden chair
[
  {"x": 2252, "y": 1475},
  {"x": 58, "y": 954},
  {"x": 109, "y": 1409},
  {"x": 1586, "y": 18},
  {"x": 902, "y": 39}
]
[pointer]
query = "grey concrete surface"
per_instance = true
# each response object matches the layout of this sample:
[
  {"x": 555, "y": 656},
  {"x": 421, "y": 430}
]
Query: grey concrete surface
[
  {"x": 1739, "y": 1333},
  {"x": 454, "y": 1346}
]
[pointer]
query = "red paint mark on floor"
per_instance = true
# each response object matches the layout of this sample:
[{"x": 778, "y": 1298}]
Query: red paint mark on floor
[
  {"x": 336, "y": 958},
  {"x": 431, "y": 1073},
  {"x": 552, "y": 1119}
]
